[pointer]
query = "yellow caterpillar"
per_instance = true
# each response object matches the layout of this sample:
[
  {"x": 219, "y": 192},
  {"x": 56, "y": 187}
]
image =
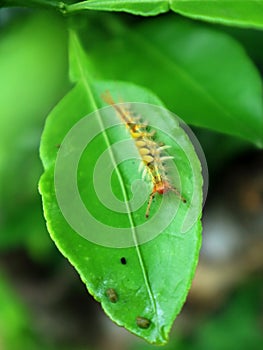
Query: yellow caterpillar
[{"x": 151, "y": 152}]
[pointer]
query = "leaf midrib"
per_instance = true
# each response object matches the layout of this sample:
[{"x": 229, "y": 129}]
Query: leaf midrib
[{"x": 83, "y": 78}]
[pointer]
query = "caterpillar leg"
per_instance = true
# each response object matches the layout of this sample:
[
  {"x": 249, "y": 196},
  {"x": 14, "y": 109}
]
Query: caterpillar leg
[
  {"x": 149, "y": 204},
  {"x": 175, "y": 190}
]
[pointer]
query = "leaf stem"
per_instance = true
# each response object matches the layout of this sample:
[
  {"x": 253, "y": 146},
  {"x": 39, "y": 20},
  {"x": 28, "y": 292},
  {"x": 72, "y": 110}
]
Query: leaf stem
[{"x": 58, "y": 5}]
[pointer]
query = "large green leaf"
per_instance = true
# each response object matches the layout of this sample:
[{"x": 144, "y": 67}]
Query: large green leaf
[
  {"x": 141, "y": 287},
  {"x": 201, "y": 74},
  {"x": 232, "y": 12}
]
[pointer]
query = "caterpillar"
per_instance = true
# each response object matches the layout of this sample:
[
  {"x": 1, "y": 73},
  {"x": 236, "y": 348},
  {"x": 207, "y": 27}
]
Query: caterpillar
[{"x": 151, "y": 152}]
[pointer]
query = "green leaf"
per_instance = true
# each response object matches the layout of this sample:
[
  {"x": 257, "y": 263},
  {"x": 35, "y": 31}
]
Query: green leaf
[
  {"x": 136, "y": 7},
  {"x": 141, "y": 286},
  {"x": 231, "y": 12},
  {"x": 201, "y": 74}
]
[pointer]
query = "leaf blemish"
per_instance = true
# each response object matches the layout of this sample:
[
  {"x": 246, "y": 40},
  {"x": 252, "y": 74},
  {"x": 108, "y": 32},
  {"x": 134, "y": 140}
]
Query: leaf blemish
[
  {"x": 112, "y": 295},
  {"x": 143, "y": 322}
]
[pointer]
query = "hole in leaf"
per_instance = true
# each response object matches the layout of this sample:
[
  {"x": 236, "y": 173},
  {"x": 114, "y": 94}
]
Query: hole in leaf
[{"x": 123, "y": 261}]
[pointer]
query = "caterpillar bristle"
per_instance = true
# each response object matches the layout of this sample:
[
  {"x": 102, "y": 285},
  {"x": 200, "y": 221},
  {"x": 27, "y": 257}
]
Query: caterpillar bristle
[
  {"x": 166, "y": 158},
  {"x": 144, "y": 173},
  {"x": 106, "y": 96},
  {"x": 164, "y": 147}
]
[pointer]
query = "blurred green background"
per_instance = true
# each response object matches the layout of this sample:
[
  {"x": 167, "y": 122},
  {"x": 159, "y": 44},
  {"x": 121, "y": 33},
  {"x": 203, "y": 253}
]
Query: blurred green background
[{"x": 43, "y": 303}]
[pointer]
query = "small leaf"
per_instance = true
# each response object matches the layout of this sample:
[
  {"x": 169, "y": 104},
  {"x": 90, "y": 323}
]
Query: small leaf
[
  {"x": 142, "y": 286},
  {"x": 231, "y": 12},
  {"x": 141, "y": 7}
]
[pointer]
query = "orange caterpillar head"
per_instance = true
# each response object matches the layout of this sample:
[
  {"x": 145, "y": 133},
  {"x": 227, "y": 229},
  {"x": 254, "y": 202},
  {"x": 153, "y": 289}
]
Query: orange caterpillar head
[{"x": 162, "y": 187}]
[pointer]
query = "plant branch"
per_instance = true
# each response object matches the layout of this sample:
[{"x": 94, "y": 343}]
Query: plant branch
[{"x": 58, "y": 5}]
